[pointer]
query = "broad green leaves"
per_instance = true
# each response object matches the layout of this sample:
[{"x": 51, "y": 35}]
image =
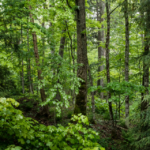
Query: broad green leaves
[
  {"x": 30, "y": 133},
  {"x": 13, "y": 147}
]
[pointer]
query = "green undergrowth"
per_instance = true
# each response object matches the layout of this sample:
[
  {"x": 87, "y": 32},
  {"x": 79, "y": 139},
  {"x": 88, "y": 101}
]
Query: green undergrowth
[{"x": 29, "y": 134}]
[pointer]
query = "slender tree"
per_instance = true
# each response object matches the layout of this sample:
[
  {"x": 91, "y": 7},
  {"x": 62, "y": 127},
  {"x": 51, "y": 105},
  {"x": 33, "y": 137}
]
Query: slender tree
[
  {"x": 30, "y": 83},
  {"x": 145, "y": 16},
  {"x": 22, "y": 65},
  {"x": 61, "y": 52},
  {"x": 126, "y": 58},
  {"x": 92, "y": 94},
  {"x": 100, "y": 39},
  {"x": 107, "y": 57},
  {"x": 145, "y": 82},
  {"x": 37, "y": 59}
]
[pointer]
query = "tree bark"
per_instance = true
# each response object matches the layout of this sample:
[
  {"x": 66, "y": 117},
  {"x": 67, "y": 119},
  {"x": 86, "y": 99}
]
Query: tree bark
[
  {"x": 81, "y": 97},
  {"x": 126, "y": 60},
  {"x": 22, "y": 69},
  {"x": 92, "y": 94},
  {"x": 100, "y": 39},
  {"x": 145, "y": 82},
  {"x": 62, "y": 44},
  {"x": 146, "y": 44},
  {"x": 61, "y": 52},
  {"x": 22, "y": 77},
  {"x": 43, "y": 42},
  {"x": 29, "y": 67},
  {"x": 107, "y": 59}
]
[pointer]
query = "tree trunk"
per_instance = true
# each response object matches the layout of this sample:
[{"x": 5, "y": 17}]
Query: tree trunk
[
  {"x": 22, "y": 63},
  {"x": 92, "y": 94},
  {"x": 29, "y": 67},
  {"x": 43, "y": 38},
  {"x": 62, "y": 45},
  {"x": 145, "y": 82},
  {"x": 107, "y": 59},
  {"x": 22, "y": 77},
  {"x": 43, "y": 43},
  {"x": 100, "y": 39},
  {"x": 40, "y": 78},
  {"x": 61, "y": 52},
  {"x": 42, "y": 91},
  {"x": 119, "y": 94},
  {"x": 126, "y": 60},
  {"x": 73, "y": 60},
  {"x": 145, "y": 43},
  {"x": 81, "y": 97}
]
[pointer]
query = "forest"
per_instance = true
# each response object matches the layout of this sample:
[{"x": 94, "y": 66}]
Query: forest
[{"x": 74, "y": 74}]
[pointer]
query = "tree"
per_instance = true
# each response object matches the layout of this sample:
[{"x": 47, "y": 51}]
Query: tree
[
  {"x": 100, "y": 38},
  {"x": 37, "y": 59},
  {"x": 145, "y": 23},
  {"x": 81, "y": 97},
  {"x": 107, "y": 58},
  {"x": 126, "y": 58}
]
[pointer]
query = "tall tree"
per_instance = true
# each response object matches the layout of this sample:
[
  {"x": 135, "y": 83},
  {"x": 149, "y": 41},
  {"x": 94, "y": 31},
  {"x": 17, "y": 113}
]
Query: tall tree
[
  {"x": 31, "y": 90},
  {"x": 145, "y": 13},
  {"x": 107, "y": 57},
  {"x": 81, "y": 97},
  {"x": 61, "y": 53},
  {"x": 126, "y": 59},
  {"x": 100, "y": 39},
  {"x": 92, "y": 94},
  {"x": 145, "y": 82}
]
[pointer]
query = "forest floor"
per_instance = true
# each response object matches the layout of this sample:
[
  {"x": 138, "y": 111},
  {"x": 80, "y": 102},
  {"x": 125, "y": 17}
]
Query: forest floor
[{"x": 110, "y": 138}]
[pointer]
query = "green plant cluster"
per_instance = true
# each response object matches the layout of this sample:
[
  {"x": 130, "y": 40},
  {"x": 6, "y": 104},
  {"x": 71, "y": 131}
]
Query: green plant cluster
[
  {"x": 101, "y": 107},
  {"x": 116, "y": 88},
  {"x": 32, "y": 135},
  {"x": 53, "y": 87},
  {"x": 7, "y": 84}
]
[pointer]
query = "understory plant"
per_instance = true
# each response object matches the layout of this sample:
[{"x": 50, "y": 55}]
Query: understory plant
[{"x": 32, "y": 135}]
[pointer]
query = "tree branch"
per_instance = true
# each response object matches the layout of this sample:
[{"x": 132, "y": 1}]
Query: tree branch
[
  {"x": 68, "y": 4},
  {"x": 115, "y": 9}
]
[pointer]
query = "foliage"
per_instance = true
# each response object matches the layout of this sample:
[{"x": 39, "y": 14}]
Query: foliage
[
  {"x": 139, "y": 134},
  {"x": 61, "y": 71},
  {"x": 31, "y": 134},
  {"x": 101, "y": 108},
  {"x": 117, "y": 88},
  {"x": 7, "y": 84},
  {"x": 13, "y": 147},
  {"x": 107, "y": 143},
  {"x": 52, "y": 21}
]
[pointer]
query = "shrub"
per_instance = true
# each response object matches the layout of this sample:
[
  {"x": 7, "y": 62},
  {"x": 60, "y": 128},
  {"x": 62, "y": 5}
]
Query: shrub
[
  {"x": 69, "y": 115},
  {"x": 32, "y": 135}
]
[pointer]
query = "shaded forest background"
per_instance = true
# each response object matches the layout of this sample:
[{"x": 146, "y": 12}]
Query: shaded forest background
[{"x": 65, "y": 58}]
